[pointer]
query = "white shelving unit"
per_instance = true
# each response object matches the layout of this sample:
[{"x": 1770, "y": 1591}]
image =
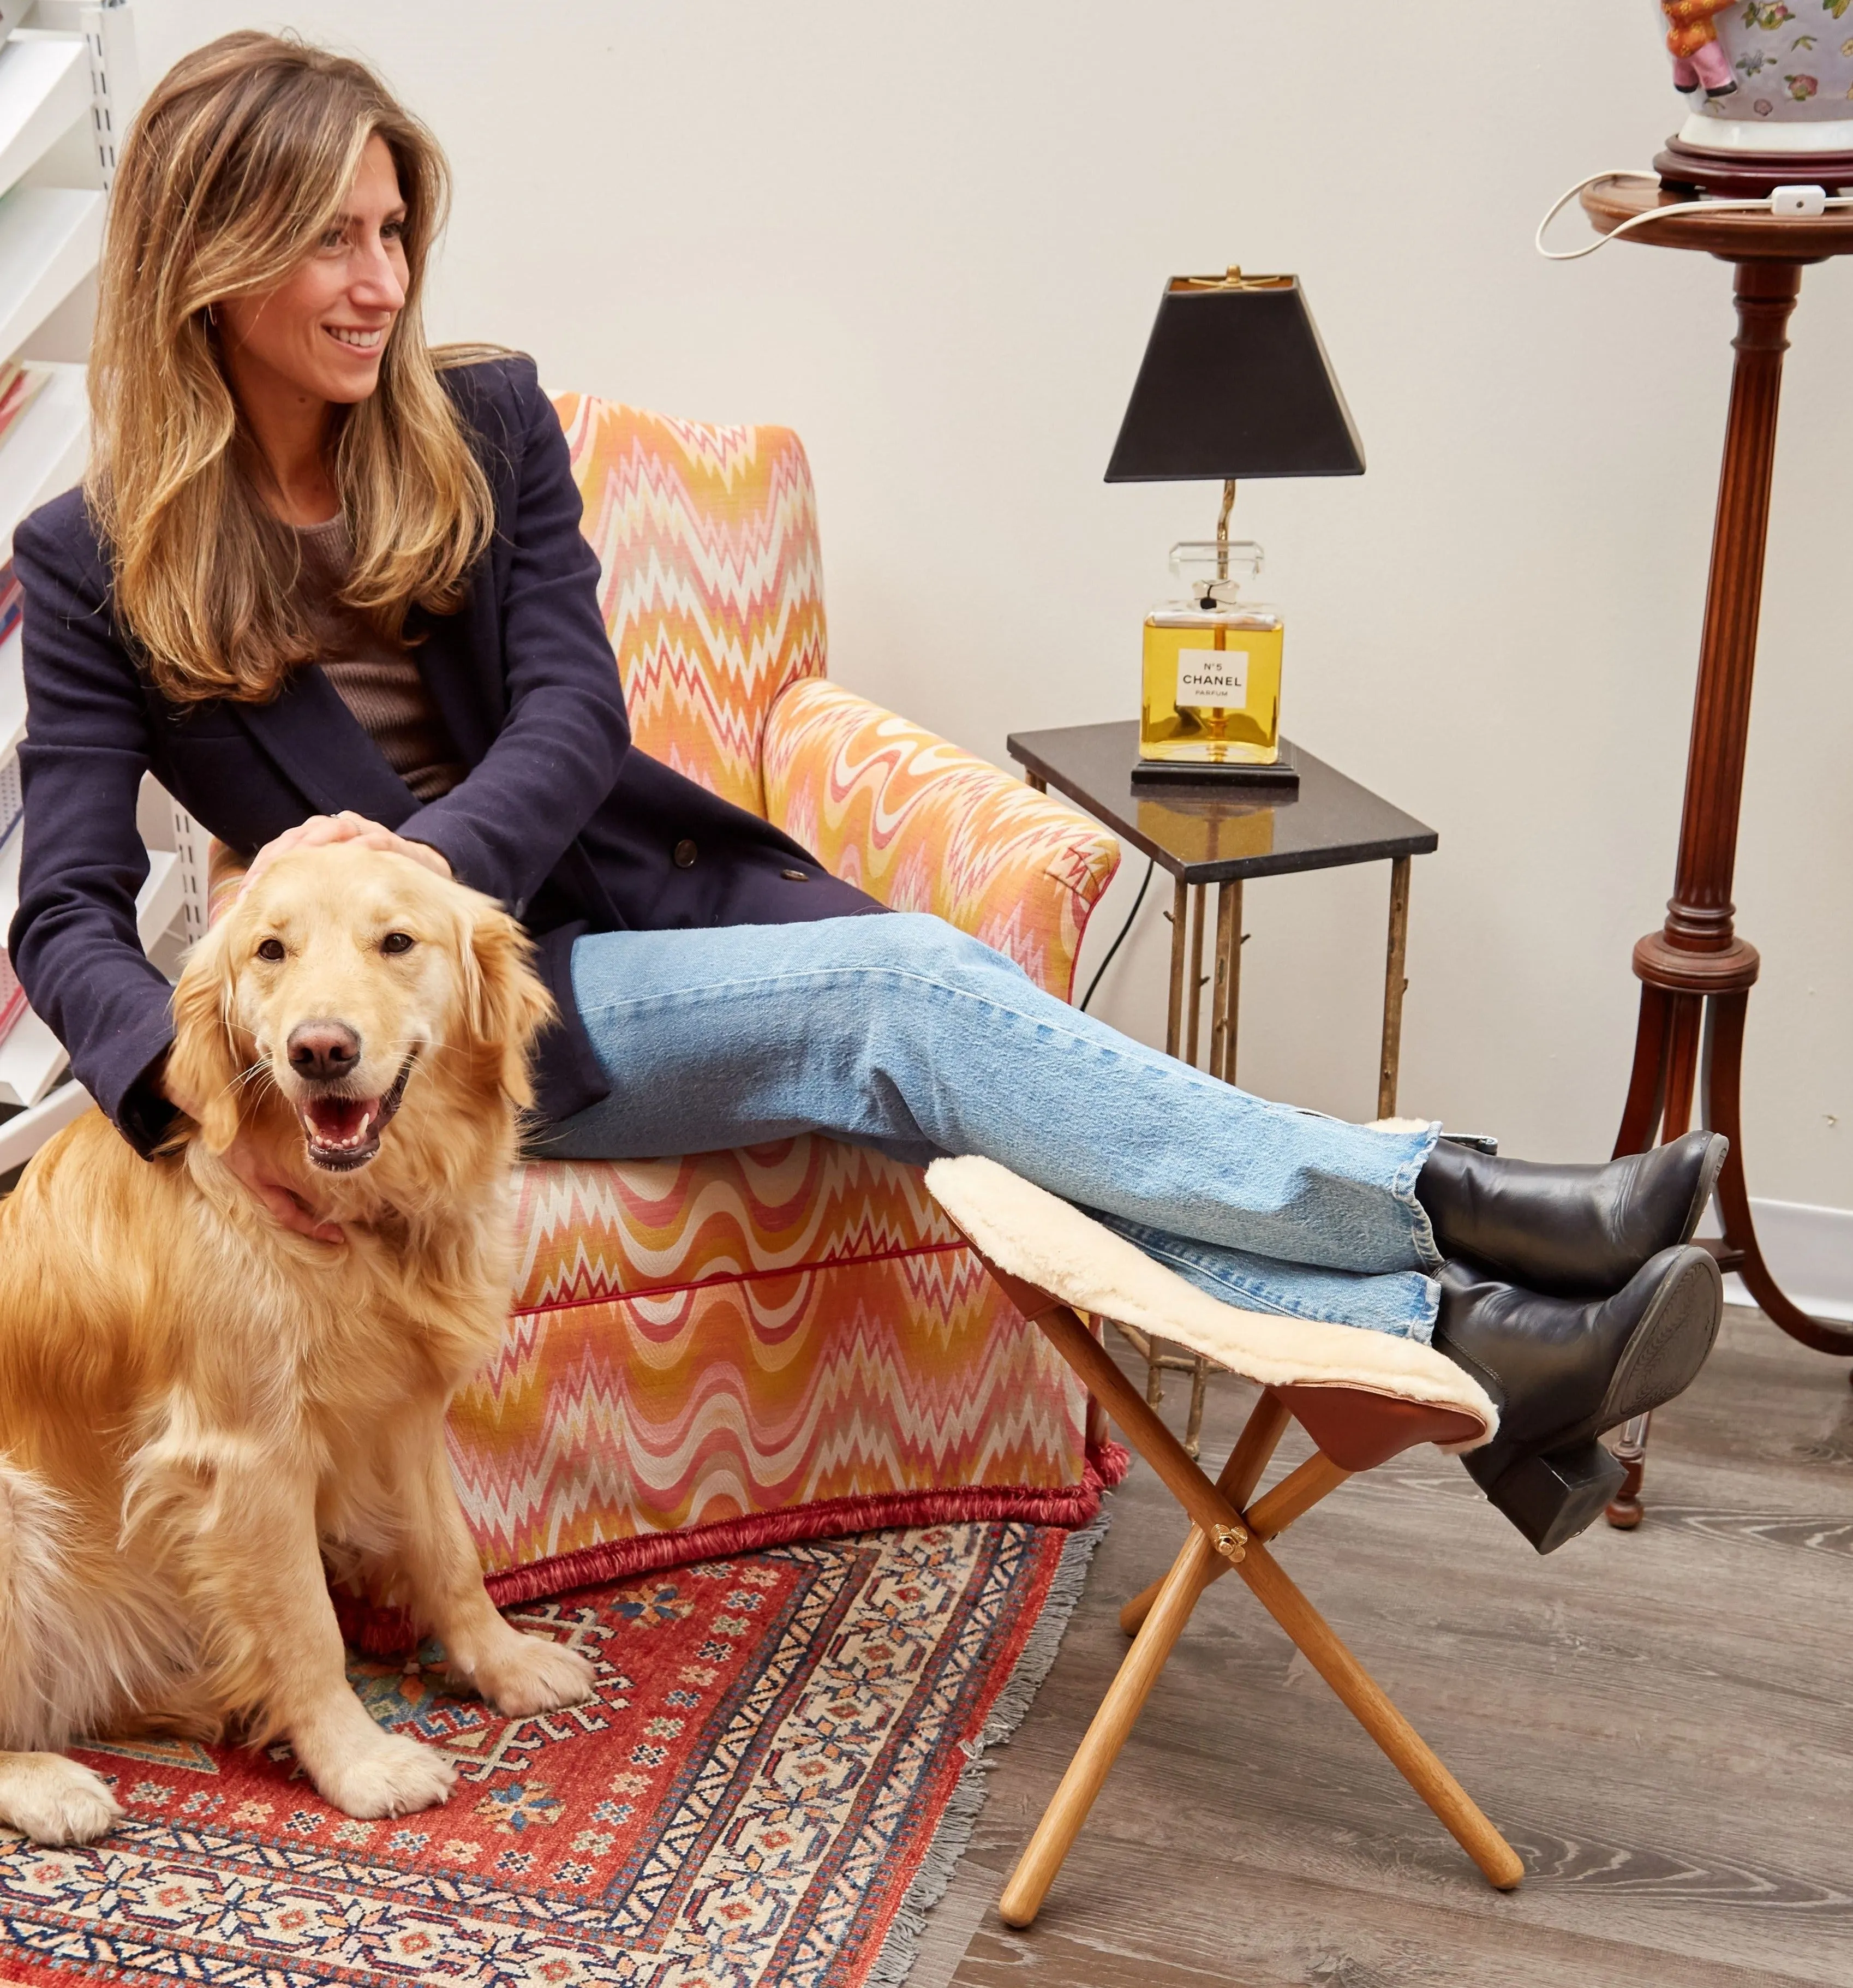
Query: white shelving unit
[
  {"x": 44, "y": 451},
  {"x": 49, "y": 237},
  {"x": 45, "y": 89},
  {"x": 31, "y": 1057},
  {"x": 68, "y": 86}
]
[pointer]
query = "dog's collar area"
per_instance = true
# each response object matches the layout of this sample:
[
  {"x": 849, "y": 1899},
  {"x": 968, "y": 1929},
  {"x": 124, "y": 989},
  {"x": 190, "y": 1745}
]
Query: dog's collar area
[{"x": 341, "y": 1133}]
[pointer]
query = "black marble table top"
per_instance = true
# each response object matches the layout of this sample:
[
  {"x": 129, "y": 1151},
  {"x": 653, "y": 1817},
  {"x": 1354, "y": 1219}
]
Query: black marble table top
[{"x": 1215, "y": 833}]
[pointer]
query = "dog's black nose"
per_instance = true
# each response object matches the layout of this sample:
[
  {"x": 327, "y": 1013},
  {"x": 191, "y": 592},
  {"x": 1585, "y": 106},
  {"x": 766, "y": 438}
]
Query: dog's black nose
[{"x": 323, "y": 1050}]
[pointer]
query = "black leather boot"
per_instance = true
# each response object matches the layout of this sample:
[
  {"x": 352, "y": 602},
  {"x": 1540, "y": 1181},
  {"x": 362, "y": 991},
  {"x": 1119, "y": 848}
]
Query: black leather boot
[
  {"x": 1563, "y": 1372},
  {"x": 1578, "y": 1232}
]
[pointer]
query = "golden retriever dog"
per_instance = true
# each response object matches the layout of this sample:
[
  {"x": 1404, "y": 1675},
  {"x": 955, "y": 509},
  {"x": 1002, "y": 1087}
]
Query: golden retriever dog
[{"x": 202, "y": 1412}]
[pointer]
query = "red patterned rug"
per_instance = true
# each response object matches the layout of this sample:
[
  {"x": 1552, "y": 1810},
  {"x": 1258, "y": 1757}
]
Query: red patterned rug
[{"x": 774, "y": 1782}]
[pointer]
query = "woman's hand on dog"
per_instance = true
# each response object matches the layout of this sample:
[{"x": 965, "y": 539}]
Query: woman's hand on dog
[
  {"x": 251, "y": 1167},
  {"x": 348, "y": 827},
  {"x": 286, "y": 1205}
]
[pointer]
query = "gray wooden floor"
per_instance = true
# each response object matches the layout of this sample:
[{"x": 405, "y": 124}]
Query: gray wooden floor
[{"x": 1659, "y": 1721}]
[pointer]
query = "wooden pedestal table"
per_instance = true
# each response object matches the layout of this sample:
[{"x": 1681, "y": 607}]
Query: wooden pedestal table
[
  {"x": 1223, "y": 835},
  {"x": 1695, "y": 972}
]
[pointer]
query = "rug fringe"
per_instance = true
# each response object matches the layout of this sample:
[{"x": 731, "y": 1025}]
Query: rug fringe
[
  {"x": 381, "y": 1629},
  {"x": 952, "y": 1836}
]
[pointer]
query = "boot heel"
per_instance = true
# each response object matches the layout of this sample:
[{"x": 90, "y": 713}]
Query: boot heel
[{"x": 1551, "y": 1498}]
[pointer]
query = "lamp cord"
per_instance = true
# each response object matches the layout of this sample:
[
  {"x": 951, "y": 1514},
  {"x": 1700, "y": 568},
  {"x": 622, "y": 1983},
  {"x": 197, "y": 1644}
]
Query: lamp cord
[
  {"x": 1150, "y": 867},
  {"x": 1803, "y": 201}
]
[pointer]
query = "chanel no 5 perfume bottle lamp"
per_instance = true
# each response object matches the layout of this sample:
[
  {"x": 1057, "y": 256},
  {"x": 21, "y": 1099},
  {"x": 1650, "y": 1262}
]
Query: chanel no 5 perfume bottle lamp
[{"x": 1235, "y": 384}]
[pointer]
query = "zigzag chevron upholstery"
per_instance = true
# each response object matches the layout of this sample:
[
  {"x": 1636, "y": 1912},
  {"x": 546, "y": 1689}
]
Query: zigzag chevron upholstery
[
  {"x": 718, "y": 1351},
  {"x": 925, "y": 827},
  {"x": 713, "y": 588}
]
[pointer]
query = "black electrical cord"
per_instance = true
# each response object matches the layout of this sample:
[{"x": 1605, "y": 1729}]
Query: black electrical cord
[{"x": 1121, "y": 940}]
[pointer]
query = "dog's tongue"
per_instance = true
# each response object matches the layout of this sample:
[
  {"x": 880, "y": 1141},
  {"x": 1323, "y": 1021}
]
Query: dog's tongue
[{"x": 338, "y": 1121}]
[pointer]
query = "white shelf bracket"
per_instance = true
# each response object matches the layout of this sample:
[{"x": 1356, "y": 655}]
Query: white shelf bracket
[{"x": 190, "y": 859}]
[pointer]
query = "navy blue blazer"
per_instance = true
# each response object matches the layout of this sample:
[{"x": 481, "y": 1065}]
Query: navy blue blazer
[{"x": 560, "y": 816}]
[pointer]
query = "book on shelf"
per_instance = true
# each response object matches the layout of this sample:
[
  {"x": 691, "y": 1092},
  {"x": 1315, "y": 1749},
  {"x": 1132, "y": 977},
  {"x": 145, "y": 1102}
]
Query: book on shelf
[
  {"x": 19, "y": 387},
  {"x": 12, "y": 600},
  {"x": 12, "y": 998},
  {"x": 12, "y": 797}
]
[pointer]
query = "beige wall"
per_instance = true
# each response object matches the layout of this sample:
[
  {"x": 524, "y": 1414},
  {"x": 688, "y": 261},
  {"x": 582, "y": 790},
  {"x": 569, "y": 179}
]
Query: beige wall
[{"x": 932, "y": 239}]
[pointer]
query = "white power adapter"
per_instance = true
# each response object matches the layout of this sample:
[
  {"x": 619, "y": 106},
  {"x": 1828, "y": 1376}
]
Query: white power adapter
[{"x": 1805, "y": 202}]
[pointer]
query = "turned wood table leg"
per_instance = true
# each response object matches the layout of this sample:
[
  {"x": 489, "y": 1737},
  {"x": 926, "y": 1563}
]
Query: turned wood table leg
[
  {"x": 1723, "y": 1083},
  {"x": 1647, "y": 1083},
  {"x": 1696, "y": 959}
]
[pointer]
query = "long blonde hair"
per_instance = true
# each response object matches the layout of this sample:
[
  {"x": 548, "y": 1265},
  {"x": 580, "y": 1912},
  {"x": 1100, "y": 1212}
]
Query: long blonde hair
[{"x": 236, "y": 166}]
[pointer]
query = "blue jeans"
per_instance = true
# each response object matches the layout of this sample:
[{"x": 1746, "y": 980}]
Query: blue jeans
[{"x": 901, "y": 1034}]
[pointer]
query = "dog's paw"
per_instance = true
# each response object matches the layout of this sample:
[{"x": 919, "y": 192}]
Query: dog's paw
[
  {"x": 55, "y": 1801},
  {"x": 529, "y": 1674},
  {"x": 394, "y": 1777}
]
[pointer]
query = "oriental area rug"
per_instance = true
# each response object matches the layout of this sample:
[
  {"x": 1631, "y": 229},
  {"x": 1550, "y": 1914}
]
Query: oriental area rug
[{"x": 778, "y": 1773}]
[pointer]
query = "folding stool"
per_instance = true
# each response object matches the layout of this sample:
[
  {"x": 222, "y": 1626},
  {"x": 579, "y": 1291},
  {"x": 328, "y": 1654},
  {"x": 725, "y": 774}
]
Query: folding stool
[{"x": 1363, "y": 1397}]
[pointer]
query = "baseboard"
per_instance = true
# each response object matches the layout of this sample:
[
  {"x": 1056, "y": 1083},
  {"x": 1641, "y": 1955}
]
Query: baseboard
[{"x": 1810, "y": 1252}]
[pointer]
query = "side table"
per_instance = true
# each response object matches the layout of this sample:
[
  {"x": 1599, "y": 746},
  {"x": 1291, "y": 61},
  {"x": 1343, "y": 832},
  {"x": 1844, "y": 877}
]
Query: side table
[
  {"x": 1222, "y": 835},
  {"x": 1695, "y": 972}
]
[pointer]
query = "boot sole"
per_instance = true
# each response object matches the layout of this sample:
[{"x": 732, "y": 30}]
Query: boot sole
[
  {"x": 1716, "y": 1156},
  {"x": 1668, "y": 1347},
  {"x": 1554, "y": 1490}
]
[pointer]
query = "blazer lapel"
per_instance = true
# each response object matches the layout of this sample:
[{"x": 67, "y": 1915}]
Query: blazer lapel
[{"x": 320, "y": 746}]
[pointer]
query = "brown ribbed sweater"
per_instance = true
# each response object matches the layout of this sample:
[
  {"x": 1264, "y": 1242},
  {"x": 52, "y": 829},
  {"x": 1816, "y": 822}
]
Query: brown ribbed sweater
[{"x": 377, "y": 680}]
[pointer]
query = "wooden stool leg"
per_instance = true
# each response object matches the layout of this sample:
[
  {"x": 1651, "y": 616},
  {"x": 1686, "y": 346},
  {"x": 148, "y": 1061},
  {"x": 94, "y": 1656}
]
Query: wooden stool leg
[
  {"x": 1260, "y": 1437},
  {"x": 1190, "y": 1572},
  {"x": 1364, "y": 1699}
]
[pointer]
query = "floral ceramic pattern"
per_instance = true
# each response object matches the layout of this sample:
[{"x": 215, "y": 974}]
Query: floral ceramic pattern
[{"x": 1774, "y": 61}]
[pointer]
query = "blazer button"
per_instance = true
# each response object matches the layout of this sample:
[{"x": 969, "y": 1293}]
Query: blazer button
[
  {"x": 794, "y": 876},
  {"x": 686, "y": 853}
]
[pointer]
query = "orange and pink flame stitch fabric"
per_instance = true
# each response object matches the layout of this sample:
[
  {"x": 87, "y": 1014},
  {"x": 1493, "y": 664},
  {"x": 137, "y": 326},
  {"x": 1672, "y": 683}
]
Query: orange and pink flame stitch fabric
[{"x": 711, "y": 1353}]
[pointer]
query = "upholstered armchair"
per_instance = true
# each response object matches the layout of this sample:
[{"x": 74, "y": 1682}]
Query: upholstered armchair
[{"x": 711, "y": 1352}]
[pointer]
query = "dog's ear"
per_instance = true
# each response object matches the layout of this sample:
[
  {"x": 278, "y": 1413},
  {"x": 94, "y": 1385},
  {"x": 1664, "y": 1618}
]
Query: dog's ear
[
  {"x": 203, "y": 1065},
  {"x": 507, "y": 1002}
]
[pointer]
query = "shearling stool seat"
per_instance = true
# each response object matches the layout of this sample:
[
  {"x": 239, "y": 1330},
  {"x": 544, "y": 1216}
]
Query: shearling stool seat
[{"x": 1363, "y": 1397}]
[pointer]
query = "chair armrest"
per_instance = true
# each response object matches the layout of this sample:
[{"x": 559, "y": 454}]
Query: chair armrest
[{"x": 923, "y": 827}]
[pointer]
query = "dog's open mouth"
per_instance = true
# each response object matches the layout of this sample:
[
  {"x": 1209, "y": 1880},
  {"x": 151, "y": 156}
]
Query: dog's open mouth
[{"x": 343, "y": 1132}]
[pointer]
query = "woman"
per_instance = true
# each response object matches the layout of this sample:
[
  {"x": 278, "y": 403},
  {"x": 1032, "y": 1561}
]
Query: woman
[{"x": 328, "y": 585}]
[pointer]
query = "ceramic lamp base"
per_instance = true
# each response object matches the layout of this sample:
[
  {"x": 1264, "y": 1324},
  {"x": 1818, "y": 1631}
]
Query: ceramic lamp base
[{"x": 1684, "y": 167}]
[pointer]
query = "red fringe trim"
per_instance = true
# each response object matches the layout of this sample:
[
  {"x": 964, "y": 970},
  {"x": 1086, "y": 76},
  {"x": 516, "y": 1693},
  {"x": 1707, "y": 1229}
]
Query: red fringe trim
[{"x": 389, "y": 1632}]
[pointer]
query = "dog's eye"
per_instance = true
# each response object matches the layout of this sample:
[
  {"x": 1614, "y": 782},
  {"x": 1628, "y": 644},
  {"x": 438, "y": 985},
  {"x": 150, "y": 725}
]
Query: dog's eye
[
  {"x": 272, "y": 949},
  {"x": 398, "y": 942}
]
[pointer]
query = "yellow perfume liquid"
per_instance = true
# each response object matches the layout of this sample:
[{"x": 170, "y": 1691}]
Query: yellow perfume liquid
[{"x": 1211, "y": 690}]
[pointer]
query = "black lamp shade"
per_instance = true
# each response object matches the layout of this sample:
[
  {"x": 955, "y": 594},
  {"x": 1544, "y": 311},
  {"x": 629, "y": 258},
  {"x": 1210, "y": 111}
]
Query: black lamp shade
[{"x": 1235, "y": 383}]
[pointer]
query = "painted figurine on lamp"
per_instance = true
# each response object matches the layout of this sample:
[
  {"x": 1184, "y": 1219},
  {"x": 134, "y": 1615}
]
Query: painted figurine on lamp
[{"x": 1698, "y": 57}]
